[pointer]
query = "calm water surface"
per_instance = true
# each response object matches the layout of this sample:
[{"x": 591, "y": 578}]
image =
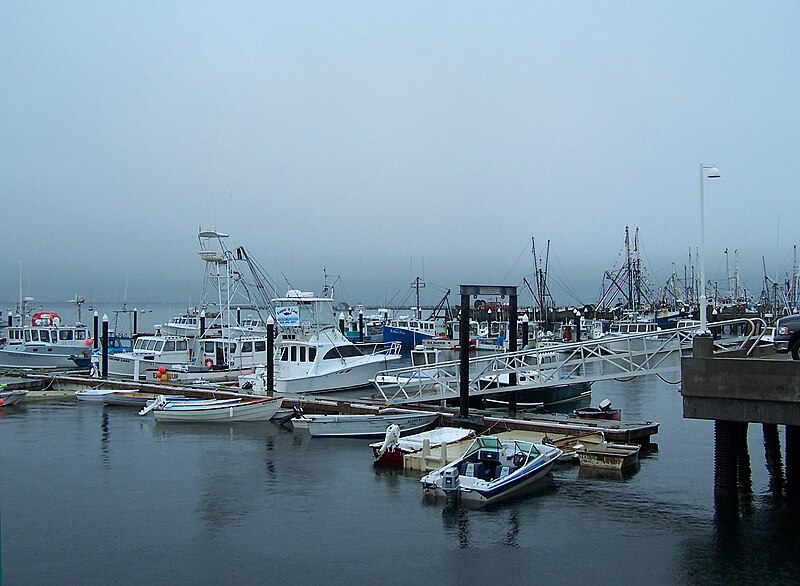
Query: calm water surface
[{"x": 94, "y": 494}]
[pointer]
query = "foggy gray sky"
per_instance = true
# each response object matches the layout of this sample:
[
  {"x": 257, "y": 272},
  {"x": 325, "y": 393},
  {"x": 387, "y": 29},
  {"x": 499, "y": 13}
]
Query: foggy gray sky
[{"x": 382, "y": 140}]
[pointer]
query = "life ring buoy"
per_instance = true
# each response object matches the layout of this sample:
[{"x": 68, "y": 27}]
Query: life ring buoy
[{"x": 209, "y": 362}]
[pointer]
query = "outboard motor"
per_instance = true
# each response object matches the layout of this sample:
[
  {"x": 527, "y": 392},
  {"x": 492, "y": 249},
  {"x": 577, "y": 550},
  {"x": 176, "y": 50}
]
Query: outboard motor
[
  {"x": 259, "y": 388},
  {"x": 391, "y": 441},
  {"x": 450, "y": 480},
  {"x": 451, "y": 485}
]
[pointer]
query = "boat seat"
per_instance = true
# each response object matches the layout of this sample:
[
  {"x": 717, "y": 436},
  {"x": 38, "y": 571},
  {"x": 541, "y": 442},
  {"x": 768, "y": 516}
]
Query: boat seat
[
  {"x": 474, "y": 469},
  {"x": 503, "y": 471}
]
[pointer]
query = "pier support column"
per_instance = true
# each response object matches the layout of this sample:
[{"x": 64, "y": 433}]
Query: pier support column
[
  {"x": 525, "y": 330},
  {"x": 793, "y": 459},
  {"x": 135, "y": 328},
  {"x": 96, "y": 331},
  {"x": 743, "y": 458},
  {"x": 463, "y": 355},
  {"x": 270, "y": 356},
  {"x": 360, "y": 325},
  {"x": 512, "y": 347},
  {"x": 725, "y": 455},
  {"x": 105, "y": 346}
]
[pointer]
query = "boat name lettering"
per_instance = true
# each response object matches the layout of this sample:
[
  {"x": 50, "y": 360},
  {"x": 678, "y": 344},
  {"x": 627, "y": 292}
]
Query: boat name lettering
[{"x": 288, "y": 315}]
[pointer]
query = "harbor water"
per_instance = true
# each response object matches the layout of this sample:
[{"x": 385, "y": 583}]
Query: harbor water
[{"x": 94, "y": 494}]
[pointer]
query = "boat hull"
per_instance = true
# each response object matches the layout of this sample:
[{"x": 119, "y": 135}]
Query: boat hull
[
  {"x": 352, "y": 376},
  {"x": 255, "y": 410},
  {"x": 369, "y": 425},
  {"x": 545, "y": 396},
  {"x": 11, "y": 397},
  {"x": 13, "y": 359},
  {"x": 408, "y": 338}
]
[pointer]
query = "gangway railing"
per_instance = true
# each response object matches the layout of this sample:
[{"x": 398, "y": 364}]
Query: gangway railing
[{"x": 609, "y": 357}]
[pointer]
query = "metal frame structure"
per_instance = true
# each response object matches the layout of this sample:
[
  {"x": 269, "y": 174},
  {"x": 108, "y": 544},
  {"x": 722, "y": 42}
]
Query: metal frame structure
[{"x": 574, "y": 362}]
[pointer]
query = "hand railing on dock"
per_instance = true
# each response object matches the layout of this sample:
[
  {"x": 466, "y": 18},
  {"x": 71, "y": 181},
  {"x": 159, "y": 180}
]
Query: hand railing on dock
[{"x": 609, "y": 357}]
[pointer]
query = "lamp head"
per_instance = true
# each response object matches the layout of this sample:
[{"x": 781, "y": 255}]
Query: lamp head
[{"x": 712, "y": 172}]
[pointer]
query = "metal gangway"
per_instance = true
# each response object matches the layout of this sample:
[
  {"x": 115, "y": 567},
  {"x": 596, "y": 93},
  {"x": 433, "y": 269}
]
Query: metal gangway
[{"x": 609, "y": 357}]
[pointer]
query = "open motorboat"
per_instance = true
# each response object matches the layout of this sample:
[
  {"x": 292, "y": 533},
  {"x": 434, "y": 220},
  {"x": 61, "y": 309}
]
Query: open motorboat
[
  {"x": 215, "y": 411},
  {"x": 366, "y": 425},
  {"x": 313, "y": 355},
  {"x": 492, "y": 469},
  {"x": 603, "y": 411}
]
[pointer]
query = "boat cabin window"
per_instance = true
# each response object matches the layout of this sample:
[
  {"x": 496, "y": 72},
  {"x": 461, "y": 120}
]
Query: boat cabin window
[
  {"x": 44, "y": 336},
  {"x": 247, "y": 347},
  {"x": 181, "y": 345},
  {"x": 169, "y": 346},
  {"x": 312, "y": 354},
  {"x": 65, "y": 334},
  {"x": 27, "y": 335},
  {"x": 284, "y": 354},
  {"x": 293, "y": 351},
  {"x": 342, "y": 352},
  {"x": 302, "y": 353},
  {"x": 261, "y": 346}
]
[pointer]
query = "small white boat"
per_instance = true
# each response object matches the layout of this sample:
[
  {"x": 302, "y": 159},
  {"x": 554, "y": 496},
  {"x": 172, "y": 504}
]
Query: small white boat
[
  {"x": 94, "y": 395},
  {"x": 369, "y": 425},
  {"x": 492, "y": 469},
  {"x": 391, "y": 450},
  {"x": 133, "y": 398},
  {"x": 11, "y": 397},
  {"x": 221, "y": 411}
]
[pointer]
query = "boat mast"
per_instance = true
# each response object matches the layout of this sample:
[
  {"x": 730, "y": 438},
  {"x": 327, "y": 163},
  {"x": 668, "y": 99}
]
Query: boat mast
[
  {"x": 418, "y": 284},
  {"x": 793, "y": 285}
]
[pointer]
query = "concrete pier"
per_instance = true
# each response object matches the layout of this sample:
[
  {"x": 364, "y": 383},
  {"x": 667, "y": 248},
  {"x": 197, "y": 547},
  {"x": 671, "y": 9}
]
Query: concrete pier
[{"x": 734, "y": 390}]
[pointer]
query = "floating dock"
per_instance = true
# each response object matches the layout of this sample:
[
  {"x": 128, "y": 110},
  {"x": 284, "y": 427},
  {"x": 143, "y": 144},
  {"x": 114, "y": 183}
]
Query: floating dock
[{"x": 55, "y": 385}]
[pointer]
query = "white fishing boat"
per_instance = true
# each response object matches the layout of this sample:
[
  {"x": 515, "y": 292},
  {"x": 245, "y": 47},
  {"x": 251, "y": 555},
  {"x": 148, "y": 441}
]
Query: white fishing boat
[
  {"x": 423, "y": 378},
  {"x": 220, "y": 411},
  {"x": 631, "y": 335},
  {"x": 492, "y": 469},
  {"x": 369, "y": 425},
  {"x": 149, "y": 354},
  {"x": 46, "y": 343},
  {"x": 313, "y": 355}
]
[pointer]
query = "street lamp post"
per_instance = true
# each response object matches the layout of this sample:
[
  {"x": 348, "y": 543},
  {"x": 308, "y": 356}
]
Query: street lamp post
[{"x": 711, "y": 172}]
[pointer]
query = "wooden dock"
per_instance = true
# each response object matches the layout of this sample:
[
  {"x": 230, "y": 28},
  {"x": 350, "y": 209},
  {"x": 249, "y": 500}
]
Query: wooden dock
[{"x": 483, "y": 421}]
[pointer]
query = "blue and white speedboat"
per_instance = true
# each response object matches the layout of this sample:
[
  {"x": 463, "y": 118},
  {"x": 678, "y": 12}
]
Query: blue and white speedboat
[{"x": 492, "y": 469}]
